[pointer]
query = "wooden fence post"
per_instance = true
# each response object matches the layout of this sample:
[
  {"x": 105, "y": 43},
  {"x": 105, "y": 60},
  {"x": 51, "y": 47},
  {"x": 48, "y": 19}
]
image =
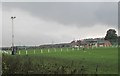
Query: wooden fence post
[
  {"x": 34, "y": 51},
  {"x": 19, "y": 52},
  {"x": 67, "y": 49},
  {"x": 26, "y": 52},
  {"x": 48, "y": 50},
  {"x": 41, "y": 51},
  {"x": 61, "y": 49}
]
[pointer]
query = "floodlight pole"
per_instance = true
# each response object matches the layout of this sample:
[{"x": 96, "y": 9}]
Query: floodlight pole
[{"x": 13, "y": 50}]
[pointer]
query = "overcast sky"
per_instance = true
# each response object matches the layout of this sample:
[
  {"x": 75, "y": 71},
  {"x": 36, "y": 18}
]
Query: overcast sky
[
  {"x": 39, "y": 23},
  {"x": 0, "y": 24}
]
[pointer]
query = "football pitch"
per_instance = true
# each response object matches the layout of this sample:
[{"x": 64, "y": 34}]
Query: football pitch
[{"x": 102, "y": 60}]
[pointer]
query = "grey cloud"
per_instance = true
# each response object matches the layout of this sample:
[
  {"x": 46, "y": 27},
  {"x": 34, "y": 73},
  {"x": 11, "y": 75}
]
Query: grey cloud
[
  {"x": 83, "y": 15},
  {"x": 119, "y": 18},
  {"x": 108, "y": 13},
  {"x": 68, "y": 13}
]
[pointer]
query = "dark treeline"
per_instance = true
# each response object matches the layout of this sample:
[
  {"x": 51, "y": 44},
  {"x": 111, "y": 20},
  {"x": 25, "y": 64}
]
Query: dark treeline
[{"x": 112, "y": 37}]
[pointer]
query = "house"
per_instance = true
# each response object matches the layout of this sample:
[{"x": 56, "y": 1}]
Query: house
[
  {"x": 104, "y": 43},
  {"x": 75, "y": 44},
  {"x": 90, "y": 43},
  {"x": 98, "y": 42}
]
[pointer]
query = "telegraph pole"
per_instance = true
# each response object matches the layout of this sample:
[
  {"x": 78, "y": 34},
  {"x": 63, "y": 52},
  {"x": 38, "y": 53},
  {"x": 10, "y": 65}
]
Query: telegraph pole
[{"x": 13, "y": 49}]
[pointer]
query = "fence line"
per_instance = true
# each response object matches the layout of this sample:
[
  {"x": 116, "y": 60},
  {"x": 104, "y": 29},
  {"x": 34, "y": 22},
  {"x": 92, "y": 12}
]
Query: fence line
[{"x": 51, "y": 50}]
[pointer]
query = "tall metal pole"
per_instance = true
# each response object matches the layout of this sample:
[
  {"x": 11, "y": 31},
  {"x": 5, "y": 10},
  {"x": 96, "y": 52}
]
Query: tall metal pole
[
  {"x": 13, "y": 50},
  {"x": 12, "y": 38}
]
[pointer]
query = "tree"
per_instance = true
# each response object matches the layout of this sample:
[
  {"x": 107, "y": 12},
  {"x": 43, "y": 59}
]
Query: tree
[
  {"x": 118, "y": 40},
  {"x": 111, "y": 36}
]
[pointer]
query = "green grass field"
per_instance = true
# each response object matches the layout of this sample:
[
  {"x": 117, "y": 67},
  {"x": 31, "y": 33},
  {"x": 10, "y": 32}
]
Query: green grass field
[{"x": 68, "y": 61}]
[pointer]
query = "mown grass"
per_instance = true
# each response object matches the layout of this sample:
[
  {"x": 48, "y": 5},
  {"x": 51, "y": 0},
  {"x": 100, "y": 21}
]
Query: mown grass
[{"x": 88, "y": 61}]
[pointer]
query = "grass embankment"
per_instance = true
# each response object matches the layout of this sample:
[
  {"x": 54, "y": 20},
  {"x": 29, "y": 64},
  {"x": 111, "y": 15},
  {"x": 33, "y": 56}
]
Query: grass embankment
[{"x": 88, "y": 61}]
